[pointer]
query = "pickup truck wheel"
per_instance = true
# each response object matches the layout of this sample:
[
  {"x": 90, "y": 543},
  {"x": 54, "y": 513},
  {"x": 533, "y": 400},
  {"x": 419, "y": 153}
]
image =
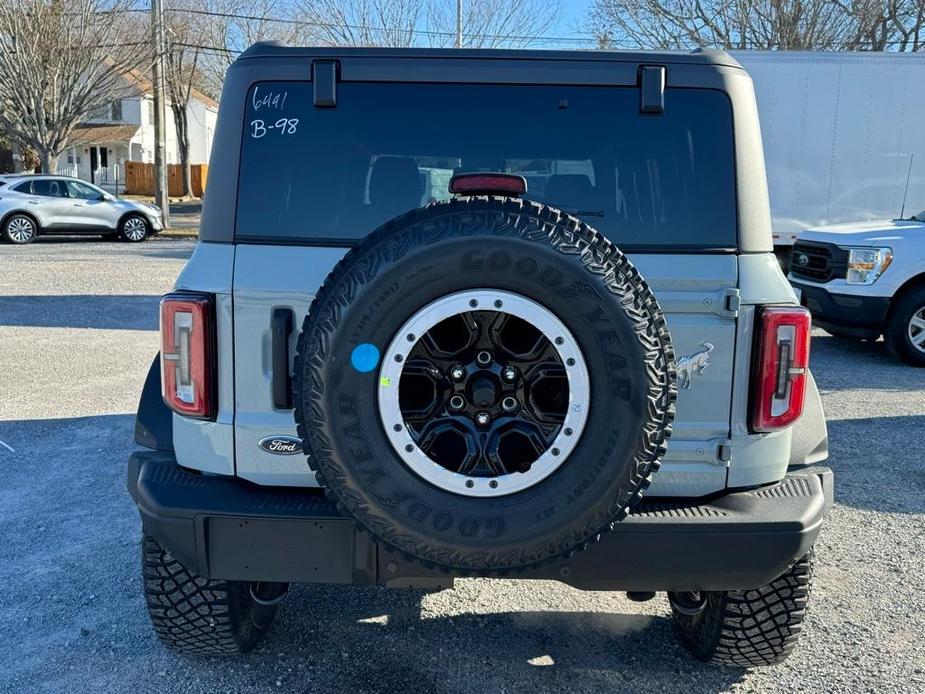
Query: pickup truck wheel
[
  {"x": 905, "y": 331},
  {"x": 196, "y": 615},
  {"x": 485, "y": 384},
  {"x": 745, "y": 628}
]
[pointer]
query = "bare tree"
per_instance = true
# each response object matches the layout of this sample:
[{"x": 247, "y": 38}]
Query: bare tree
[
  {"x": 58, "y": 63},
  {"x": 768, "y": 24},
  {"x": 894, "y": 25},
  {"x": 485, "y": 23},
  {"x": 228, "y": 27},
  {"x": 492, "y": 23},
  {"x": 181, "y": 73},
  {"x": 363, "y": 22}
]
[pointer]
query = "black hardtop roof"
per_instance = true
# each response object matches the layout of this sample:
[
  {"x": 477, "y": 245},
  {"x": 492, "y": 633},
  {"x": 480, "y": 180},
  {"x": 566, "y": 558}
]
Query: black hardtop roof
[{"x": 707, "y": 57}]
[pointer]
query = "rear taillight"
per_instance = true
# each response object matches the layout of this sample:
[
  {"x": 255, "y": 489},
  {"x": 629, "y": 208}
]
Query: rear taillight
[
  {"x": 187, "y": 354},
  {"x": 783, "y": 358}
]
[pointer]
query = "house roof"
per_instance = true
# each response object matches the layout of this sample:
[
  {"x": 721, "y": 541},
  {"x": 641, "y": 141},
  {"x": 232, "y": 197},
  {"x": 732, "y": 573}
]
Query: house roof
[
  {"x": 139, "y": 81},
  {"x": 95, "y": 134}
]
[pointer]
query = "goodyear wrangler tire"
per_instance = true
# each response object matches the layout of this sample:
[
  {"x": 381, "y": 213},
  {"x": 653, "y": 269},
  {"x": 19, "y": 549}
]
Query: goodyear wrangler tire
[{"x": 485, "y": 384}]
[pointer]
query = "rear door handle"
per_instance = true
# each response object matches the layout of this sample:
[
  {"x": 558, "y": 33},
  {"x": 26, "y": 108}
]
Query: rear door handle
[{"x": 280, "y": 330}]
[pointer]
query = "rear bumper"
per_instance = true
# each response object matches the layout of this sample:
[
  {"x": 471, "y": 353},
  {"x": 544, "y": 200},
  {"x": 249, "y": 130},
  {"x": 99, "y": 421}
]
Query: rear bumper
[
  {"x": 863, "y": 315},
  {"x": 225, "y": 528}
]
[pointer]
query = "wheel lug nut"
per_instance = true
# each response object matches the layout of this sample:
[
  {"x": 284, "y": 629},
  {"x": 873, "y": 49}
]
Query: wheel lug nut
[
  {"x": 482, "y": 419},
  {"x": 457, "y": 402},
  {"x": 509, "y": 404},
  {"x": 483, "y": 358},
  {"x": 509, "y": 373},
  {"x": 457, "y": 373}
]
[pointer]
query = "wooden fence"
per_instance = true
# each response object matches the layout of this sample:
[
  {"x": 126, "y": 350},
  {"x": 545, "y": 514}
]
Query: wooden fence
[{"x": 139, "y": 179}]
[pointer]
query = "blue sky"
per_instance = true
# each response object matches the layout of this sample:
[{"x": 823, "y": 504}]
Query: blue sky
[{"x": 573, "y": 14}]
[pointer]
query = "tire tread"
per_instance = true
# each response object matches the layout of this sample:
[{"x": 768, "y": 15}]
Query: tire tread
[{"x": 196, "y": 615}]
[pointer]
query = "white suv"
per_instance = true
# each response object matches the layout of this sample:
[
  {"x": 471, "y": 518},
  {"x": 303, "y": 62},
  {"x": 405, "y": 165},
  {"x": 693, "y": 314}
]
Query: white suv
[
  {"x": 32, "y": 205},
  {"x": 863, "y": 280}
]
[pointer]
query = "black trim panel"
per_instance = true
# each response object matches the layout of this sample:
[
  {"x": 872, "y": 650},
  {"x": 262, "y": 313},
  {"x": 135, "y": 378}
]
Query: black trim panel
[
  {"x": 154, "y": 422},
  {"x": 843, "y": 310},
  {"x": 223, "y": 527}
]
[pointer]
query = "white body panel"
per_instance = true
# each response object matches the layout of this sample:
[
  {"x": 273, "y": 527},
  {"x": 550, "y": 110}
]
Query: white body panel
[{"x": 839, "y": 130}]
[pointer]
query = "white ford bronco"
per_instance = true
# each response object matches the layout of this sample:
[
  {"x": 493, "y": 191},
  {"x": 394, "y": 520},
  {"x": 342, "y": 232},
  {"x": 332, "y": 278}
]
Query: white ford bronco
[{"x": 483, "y": 313}]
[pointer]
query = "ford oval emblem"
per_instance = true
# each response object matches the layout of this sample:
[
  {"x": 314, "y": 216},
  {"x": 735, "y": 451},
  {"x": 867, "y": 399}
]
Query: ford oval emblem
[{"x": 281, "y": 445}]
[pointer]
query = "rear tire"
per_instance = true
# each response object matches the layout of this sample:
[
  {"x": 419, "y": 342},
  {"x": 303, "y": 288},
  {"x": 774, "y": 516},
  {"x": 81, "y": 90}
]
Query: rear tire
[
  {"x": 745, "y": 628},
  {"x": 20, "y": 229},
  {"x": 196, "y": 615},
  {"x": 905, "y": 329},
  {"x": 574, "y": 291}
]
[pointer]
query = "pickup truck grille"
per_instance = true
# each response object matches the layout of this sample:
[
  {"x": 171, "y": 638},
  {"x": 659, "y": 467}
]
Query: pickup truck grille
[{"x": 818, "y": 262}]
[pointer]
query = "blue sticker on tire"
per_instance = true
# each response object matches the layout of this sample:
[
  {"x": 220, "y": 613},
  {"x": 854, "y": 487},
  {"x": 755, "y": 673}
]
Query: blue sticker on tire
[{"x": 365, "y": 357}]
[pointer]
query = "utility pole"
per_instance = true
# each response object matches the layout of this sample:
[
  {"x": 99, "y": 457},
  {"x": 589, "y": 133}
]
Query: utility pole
[
  {"x": 160, "y": 112},
  {"x": 459, "y": 23}
]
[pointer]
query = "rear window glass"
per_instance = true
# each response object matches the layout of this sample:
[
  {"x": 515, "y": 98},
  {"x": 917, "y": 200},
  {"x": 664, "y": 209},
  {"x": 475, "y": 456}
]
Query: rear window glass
[{"x": 334, "y": 174}]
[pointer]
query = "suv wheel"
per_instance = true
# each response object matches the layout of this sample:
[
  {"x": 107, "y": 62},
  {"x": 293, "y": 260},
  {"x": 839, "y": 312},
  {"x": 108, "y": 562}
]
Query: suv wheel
[
  {"x": 134, "y": 228},
  {"x": 459, "y": 376},
  {"x": 196, "y": 615},
  {"x": 20, "y": 228},
  {"x": 745, "y": 628},
  {"x": 905, "y": 330}
]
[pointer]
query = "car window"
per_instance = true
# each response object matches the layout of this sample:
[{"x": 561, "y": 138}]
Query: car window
[
  {"x": 76, "y": 189},
  {"x": 49, "y": 187},
  {"x": 336, "y": 174},
  {"x": 24, "y": 187}
]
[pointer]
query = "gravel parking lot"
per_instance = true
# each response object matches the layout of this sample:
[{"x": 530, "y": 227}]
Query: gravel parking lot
[{"x": 77, "y": 334}]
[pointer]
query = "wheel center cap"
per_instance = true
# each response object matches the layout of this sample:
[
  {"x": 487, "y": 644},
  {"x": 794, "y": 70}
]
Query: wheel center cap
[{"x": 483, "y": 391}]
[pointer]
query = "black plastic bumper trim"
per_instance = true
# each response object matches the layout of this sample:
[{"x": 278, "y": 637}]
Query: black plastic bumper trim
[
  {"x": 843, "y": 310},
  {"x": 222, "y": 527}
]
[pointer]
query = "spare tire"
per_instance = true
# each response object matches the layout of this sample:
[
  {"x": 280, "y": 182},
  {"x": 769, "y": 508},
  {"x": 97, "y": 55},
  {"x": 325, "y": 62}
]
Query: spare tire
[{"x": 485, "y": 384}]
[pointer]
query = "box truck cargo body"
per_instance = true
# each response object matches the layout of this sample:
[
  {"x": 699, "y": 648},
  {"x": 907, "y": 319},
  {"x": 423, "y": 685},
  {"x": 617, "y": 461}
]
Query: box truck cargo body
[{"x": 842, "y": 134}]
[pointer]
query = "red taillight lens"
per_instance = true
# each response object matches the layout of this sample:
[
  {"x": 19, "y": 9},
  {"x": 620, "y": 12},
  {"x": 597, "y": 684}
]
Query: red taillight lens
[
  {"x": 187, "y": 347},
  {"x": 488, "y": 184},
  {"x": 783, "y": 357}
]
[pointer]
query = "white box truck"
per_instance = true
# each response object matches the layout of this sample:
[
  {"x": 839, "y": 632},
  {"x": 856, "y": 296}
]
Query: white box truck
[{"x": 843, "y": 135}]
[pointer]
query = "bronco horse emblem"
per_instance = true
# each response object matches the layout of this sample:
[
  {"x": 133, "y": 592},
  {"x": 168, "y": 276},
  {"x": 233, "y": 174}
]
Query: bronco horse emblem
[{"x": 693, "y": 363}]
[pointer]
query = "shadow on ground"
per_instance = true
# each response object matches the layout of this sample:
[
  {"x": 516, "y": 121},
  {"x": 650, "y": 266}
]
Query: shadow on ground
[
  {"x": 114, "y": 312},
  {"x": 858, "y": 364},
  {"x": 878, "y": 464},
  {"x": 498, "y": 652}
]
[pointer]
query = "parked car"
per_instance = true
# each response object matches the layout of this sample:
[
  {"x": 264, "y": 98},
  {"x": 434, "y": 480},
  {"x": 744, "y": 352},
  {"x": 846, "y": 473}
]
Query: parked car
[
  {"x": 32, "y": 205},
  {"x": 361, "y": 384},
  {"x": 866, "y": 279}
]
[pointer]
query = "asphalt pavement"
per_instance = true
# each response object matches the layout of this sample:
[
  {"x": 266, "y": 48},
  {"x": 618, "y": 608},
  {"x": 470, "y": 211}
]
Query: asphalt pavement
[{"x": 77, "y": 333}]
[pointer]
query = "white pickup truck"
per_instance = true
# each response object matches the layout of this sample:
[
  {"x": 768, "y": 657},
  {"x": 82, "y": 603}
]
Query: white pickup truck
[{"x": 866, "y": 279}]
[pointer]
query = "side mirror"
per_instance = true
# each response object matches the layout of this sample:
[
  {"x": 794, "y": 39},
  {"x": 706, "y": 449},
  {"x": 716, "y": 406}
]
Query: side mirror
[{"x": 106, "y": 197}]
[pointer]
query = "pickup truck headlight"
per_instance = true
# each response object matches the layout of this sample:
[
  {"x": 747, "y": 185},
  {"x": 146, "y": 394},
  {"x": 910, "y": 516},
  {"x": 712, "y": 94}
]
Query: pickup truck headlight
[{"x": 865, "y": 265}]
